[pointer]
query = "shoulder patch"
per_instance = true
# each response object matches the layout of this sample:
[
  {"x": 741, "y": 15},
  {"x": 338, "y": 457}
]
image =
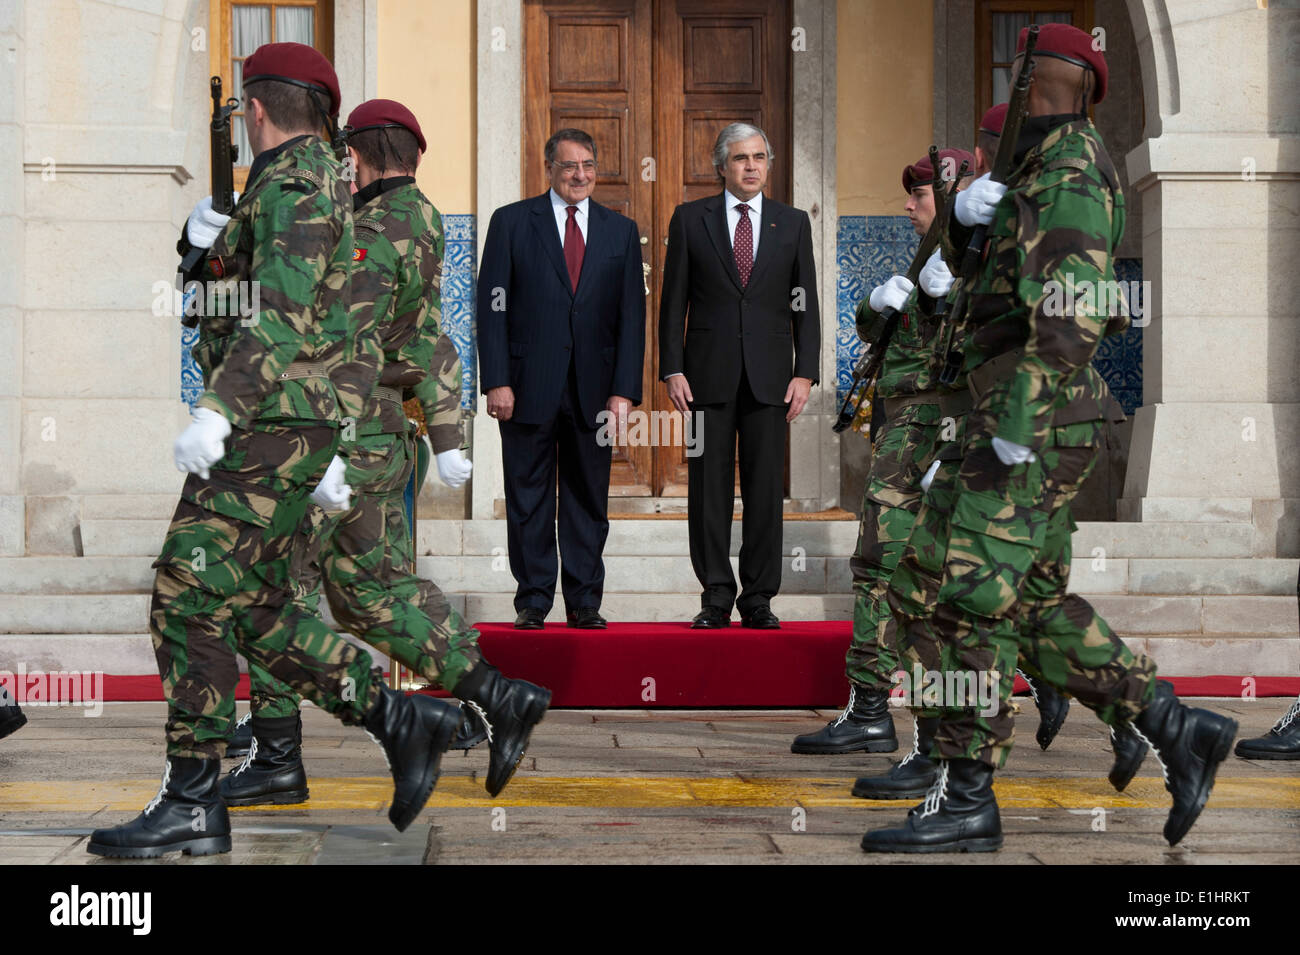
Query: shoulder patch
[
  {"x": 374, "y": 225},
  {"x": 1068, "y": 162},
  {"x": 308, "y": 175}
]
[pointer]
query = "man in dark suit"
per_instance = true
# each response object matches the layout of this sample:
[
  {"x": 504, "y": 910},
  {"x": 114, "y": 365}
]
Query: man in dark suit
[
  {"x": 741, "y": 265},
  {"x": 561, "y": 338}
]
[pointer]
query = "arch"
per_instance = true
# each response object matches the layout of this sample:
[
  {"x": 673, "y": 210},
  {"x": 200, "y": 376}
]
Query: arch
[{"x": 1159, "y": 61}]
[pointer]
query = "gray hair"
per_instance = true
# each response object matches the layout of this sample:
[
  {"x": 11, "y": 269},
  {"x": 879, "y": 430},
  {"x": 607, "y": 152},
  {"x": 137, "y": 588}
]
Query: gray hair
[
  {"x": 734, "y": 133},
  {"x": 569, "y": 136}
]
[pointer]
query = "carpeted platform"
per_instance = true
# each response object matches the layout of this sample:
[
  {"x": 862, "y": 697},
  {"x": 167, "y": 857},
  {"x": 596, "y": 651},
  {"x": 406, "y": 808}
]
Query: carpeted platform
[{"x": 653, "y": 665}]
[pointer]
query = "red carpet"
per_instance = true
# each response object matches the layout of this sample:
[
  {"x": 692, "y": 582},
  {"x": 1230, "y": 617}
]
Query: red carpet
[{"x": 654, "y": 665}]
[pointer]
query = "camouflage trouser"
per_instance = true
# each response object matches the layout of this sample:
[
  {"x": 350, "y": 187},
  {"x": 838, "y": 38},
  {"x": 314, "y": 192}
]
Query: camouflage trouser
[
  {"x": 224, "y": 583},
  {"x": 901, "y": 453},
  {"x": 982, "y": 581},
  {"x": 364, "y": 560}
]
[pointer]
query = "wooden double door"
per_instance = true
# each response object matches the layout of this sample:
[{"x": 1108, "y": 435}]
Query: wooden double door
[{"x": 653, "y": 81}]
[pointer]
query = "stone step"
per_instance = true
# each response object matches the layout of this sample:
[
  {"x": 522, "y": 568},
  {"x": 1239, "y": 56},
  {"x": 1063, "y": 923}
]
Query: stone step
[
  {"x": 1182, "y": 509},
  {"x": 1105, "y": 540},
  {"x": 673, "y": 574},
  {"x": 1246, "y": 655},
  {"x": 1126, "y": 613}
]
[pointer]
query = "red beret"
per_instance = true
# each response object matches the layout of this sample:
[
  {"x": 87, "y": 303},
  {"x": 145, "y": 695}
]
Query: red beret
[
  {"x": 297, "y": 64},
  {"x": 384, "y": 113},
  {"x": 920, "y": 173},
  {"x": 1071, "y": 44},
  {"x": 993, "y": 120}
]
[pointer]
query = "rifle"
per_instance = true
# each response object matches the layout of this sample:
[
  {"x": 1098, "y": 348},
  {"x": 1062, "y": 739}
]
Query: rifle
[
  {"x": 223, "y": 155},
  {"x": 1017, "y": 108},
  {"x": 868, "y": 366}
]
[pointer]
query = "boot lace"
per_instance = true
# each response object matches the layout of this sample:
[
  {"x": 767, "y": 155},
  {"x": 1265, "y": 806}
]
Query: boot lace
[
  {"x": 243, "y": 720},
  {"x": 938, "y": 792},
  {"x": 1288, "y": 718},
  {"x": 849, "y": 708},
  {"x": 162, "y": 790},
  {"x": 482, "y": 715},
  {"x": 1033, "y": 690},
  {"x": 377, "y": 742},
  {"x": 1164, "y": 770},
  {"x": 248, "y": 760},
  {"x": 916, "y": 743}
]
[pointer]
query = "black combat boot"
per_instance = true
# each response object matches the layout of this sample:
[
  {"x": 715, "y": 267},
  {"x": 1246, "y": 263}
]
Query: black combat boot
[
  {"x": 1053, "y": 708},
  {"x": 472, "y": 729},
  {"x": 12, "y": 718},
  {"x": 959, "y": 815},
  {"x": 865, "y": 726},
  {"x": 414, "y": 732},
  {"x": 241, "y": 737},
  {"x": 187, "y": 816},
  {"x": 912, "y": 776},
  {"x": 272, "y": 772},
  {"x": 510, "y": 708},
  {"x": 1281, "y": 742},
  {"x": 1190, "y": 744},
  {"x": 1130, "y": 749}
]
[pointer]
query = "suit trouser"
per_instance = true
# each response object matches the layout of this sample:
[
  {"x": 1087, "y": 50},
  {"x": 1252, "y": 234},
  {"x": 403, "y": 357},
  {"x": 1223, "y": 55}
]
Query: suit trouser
[
  {"x": 224, "y": 582},
  {"x": 364, "y": 560},
  {"x": 529, "y": 454},
  {"x": 983, "y": 581},
  {"x": 759, "y": 431}
]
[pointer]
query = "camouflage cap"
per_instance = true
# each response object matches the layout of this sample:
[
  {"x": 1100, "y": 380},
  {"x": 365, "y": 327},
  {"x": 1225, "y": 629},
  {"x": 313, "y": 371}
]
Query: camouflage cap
[
  {"x": 921, "y": 173},
  {"x": 1069, "y": 43},
  {"x": 297, "y": 64}
]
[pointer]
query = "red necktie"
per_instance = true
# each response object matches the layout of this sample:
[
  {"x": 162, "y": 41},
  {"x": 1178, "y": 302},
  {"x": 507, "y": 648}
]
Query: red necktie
[
  {"x": 573, "y": 247},
  {"x": 743, "y": 247}
]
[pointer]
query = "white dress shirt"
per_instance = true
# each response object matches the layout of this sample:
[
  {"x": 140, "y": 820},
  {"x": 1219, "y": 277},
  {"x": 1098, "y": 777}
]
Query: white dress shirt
[
  {"x": 561, "y": 209},
  {"x": 733, "y": 217}
]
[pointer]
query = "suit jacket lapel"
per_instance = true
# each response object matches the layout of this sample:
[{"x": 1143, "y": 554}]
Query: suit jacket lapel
[
  {"x": 767, "y": 236},
  {"x": 715, "y": 221},
  {"x": 544, "y": 224},
  {"x": 595, "y": 231}
]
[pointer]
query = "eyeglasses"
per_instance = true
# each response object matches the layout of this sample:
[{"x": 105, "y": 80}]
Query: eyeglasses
[{"x": 569, "y": 168}]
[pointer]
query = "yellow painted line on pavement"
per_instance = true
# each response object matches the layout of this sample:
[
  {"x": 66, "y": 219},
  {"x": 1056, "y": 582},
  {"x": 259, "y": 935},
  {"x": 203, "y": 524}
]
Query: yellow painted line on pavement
[{"x": 659, "y": 792}]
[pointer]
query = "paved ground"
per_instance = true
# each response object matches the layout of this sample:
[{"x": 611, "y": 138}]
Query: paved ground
[{"x": 636, "y": 787}]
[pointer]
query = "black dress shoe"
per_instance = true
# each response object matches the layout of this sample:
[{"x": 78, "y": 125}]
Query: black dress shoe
[
  {"x": 530, "y": 618},
  {"x": 865, "y": 726},
  {"x": 587, "y": 618},
  {"x": 711, "y": 618},
  {"x": 760, "y": 619},
  {"x": 1281, "y": 742}
]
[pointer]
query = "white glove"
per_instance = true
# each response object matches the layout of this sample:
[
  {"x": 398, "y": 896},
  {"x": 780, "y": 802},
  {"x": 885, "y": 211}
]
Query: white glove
[
  {"x": 928, "y": 478},
  {"x": 893, "y": 294},
  {"x": 975, "y": 203},
  {"x": 935, "y": 279},
  {"x": 331, "y": 493},
  {"x": 202, "y": 444},
  {"x": 453, "y": 467},
  {"x": 204, "y": 225},
  {"x": 1010, "y": 454}
]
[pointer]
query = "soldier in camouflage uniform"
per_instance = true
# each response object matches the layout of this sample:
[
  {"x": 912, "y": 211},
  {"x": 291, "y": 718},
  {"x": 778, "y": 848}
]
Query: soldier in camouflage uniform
[
  {"x": 365, "y": 558},
  {"x": 919, "y": 420},
  {"x": 994, "y": 533},
  {"x": 266, "y": 431}
]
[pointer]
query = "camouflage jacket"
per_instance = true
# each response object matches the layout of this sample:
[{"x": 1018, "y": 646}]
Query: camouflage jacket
[
  {"x": 1045, "y": 280},
  {"x": 397, "y": 277},
  {"x": 908, "y": 368},
  {"x": 290, "y": 239}
]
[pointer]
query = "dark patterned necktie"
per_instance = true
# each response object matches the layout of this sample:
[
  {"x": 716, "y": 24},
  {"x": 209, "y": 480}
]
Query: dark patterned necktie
[
  {"x": 743, "y": 247},
  {"x": 573, "y": 247}
]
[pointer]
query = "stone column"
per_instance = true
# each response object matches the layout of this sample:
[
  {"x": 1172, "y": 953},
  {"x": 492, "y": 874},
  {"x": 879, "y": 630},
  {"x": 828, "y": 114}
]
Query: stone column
[
  {"x": 13, "y": 53},
  {"x": 1218, "y": 180}
]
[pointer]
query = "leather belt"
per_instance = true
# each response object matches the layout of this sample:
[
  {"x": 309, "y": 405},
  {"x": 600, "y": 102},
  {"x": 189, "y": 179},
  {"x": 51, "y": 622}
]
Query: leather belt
[
  {"x": 952, "y": 403},
  {"x": 384, "y": 393},
  {"x": 304, "y": 369}
]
